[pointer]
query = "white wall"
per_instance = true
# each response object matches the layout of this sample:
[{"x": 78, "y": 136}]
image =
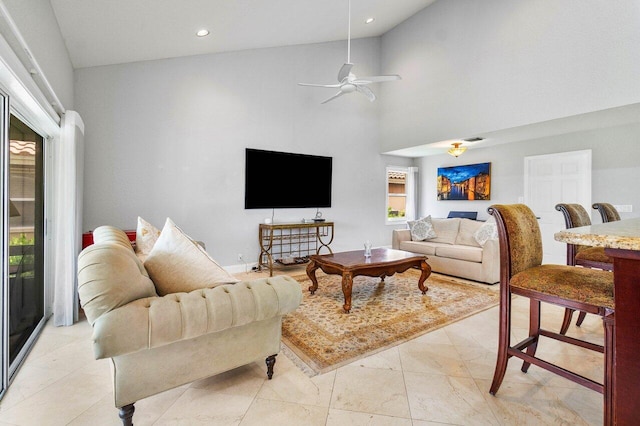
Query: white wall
[
  {"x": 615, "y": 169},
  {"x": 38, "y": 25},
  {"x": 471, "y": 66},
  {"x": 167, "y": 138}
]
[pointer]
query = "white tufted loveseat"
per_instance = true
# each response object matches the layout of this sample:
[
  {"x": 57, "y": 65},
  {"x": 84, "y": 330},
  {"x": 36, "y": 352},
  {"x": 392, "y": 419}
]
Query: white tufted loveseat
[{"x": 158, "y": 343}]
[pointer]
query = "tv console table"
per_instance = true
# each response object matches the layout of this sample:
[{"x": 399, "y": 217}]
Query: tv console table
[{"x": 291, "y": 243}]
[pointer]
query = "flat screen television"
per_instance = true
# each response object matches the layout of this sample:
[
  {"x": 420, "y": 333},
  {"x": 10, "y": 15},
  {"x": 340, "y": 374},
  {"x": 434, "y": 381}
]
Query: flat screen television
[{"x": 278, "y": 180}]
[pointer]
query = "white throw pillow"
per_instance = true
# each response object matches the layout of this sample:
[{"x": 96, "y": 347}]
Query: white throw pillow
[
  {"x": 488, "y": 231},
  {"x": 446, "y": 229},
  {"x": 146, "y": 237},
  {"x": 421, "y": 229},
  {"x": 178, "y": 264}
]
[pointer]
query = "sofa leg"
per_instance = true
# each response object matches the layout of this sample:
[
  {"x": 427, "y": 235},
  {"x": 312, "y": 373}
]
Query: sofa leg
[
  {"x": 126, "y": 414},
  {"x": 271, "y": 360}
]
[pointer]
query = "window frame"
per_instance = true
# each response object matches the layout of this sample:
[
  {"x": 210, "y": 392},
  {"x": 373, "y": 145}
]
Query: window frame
[{"x": 398, "y": 220}]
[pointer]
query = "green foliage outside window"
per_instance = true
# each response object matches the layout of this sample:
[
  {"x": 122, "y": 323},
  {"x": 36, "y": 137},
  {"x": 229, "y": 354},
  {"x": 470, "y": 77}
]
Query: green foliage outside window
[
  {"x": 394, "y": 213},
  {"x": 22, "y": 240}
]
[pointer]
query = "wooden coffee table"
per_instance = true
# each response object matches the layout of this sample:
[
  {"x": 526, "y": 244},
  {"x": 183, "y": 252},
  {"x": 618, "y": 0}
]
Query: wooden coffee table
[{"x": 382, "y": 263}]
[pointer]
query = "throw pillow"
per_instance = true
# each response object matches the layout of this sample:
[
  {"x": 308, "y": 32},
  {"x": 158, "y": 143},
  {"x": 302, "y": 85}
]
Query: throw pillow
[
  {"x": 178, "y": 264},
  {"x": 146, "y": 237},
  {"x": 421, "y": 229},
  {"x": 488, "y": 231}
]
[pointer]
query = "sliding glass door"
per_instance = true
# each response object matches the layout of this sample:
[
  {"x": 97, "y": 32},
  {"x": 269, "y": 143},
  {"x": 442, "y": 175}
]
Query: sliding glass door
[{"x": 23, "y": 240}]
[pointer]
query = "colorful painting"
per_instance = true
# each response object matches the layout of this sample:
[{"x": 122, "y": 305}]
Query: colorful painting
[{"x": 470, "y": 182}]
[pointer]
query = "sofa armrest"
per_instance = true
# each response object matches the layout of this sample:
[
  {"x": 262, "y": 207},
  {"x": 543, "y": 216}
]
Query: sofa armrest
[
  {"x": 400, "y": 235},
  {"x": 491, "y": 261},
  {"x": 156, "y": 321}
]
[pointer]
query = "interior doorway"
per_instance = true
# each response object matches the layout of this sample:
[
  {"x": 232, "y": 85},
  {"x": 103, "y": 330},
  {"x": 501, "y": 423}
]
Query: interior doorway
[{"x": 551, "y": 179}]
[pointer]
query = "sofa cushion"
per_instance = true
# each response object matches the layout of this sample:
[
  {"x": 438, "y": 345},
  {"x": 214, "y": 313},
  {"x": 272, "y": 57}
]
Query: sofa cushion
[
  {"x": 421, "y": 247},
  {"x": 488, "y": 231},
  {"x": 421, "y": 229},
  {"x": 111, "y": 234},
  {"x": 468, "y": 253},
  {"x": 110, "y": 276},
  {"x": 466, "y": 233},
  {"x": 146, "y": 237},
  {"x": 178, "y": 264},
  {"x": 446, "y": 230}
]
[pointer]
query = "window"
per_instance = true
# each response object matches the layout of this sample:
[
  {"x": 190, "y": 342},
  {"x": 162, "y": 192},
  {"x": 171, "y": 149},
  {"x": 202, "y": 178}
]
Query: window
[{"x": 396, "y": 205}]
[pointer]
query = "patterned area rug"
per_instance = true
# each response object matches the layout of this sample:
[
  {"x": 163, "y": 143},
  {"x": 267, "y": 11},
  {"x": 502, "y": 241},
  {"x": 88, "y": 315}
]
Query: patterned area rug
[{"x": 320, "y": 337}]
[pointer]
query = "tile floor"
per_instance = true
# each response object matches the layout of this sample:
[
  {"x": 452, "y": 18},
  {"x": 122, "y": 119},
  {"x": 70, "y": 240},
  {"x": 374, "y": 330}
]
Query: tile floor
[{"x": 442, "y": 377}]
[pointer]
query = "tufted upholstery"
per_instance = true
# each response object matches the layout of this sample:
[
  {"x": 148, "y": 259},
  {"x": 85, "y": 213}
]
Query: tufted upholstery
[
  {"x": 156, "y": 321},
  {"x": 158, "y": 343},
  {"x": 607, "y": 212}
]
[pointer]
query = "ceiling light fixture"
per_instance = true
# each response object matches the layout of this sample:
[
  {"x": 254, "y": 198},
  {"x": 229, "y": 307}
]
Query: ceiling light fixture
[
  {"x": 369, "y": 20},
  {"x": 457, "y": 149},
  {"x": 202, "y": 33}
]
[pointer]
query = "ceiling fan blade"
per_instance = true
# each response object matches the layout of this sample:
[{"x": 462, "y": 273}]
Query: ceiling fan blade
[
  {"x": 367, "y": 92},
  {"x": 334, "y": 86},
  {"x": 344, "y": 71},
  {"x": 333, "y": 97},
  {"x": 377, "y": 79}
]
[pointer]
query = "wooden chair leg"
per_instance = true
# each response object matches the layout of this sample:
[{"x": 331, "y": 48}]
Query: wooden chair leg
[
  {"x": 581, "y": 318},
  {"x": 271, "y": 361},
  {"x": 504, "y": 341},
  {"x": 534, "y": 331},
  {"x": 126, "y": 414},
  {"x": 609, "y": 336},
  {"x": 566, "y": 322}
]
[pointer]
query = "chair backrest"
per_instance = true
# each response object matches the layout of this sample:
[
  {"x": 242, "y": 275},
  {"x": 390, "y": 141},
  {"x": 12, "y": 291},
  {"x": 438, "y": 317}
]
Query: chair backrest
[
  {"x": 574, "y": 215},
  {"x": 520, "y": 238},
  {"x": 464, "y": 215},
  {"x": 607, "y": 212}
]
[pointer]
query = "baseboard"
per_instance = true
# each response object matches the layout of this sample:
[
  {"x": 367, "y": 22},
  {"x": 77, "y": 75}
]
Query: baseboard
[{"x": 240, "y": 268}]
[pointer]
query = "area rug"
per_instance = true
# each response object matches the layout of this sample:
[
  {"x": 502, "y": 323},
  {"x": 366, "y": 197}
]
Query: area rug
[{"x": 320, "y": 337}]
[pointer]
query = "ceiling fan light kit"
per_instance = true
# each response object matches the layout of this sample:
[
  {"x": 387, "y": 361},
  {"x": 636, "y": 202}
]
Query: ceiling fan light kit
[{"x": 348, "y": 82}]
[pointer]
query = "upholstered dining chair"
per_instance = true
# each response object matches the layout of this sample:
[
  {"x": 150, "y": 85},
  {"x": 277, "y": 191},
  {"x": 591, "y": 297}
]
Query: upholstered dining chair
[
  {"x": 589, "y": 257},
  {"x": 522, "y": 273},
  {"x": 607, "y": 212}
]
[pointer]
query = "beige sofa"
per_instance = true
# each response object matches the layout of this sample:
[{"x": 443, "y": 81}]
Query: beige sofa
[
  {"x": 455, "y": 251},
  {"x": 158, "y": 343}
]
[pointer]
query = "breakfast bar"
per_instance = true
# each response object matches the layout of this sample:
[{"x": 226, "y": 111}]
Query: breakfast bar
[{"x": 621, "y": 240}]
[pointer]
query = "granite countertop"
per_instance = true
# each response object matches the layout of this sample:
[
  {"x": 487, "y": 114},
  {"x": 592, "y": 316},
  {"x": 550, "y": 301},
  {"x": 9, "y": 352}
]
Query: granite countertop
[{"x": 622, "y": 234}]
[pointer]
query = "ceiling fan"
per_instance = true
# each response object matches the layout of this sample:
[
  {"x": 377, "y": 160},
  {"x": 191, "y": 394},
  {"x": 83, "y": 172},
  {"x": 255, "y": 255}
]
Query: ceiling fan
[{"x": 348, "y": 82}]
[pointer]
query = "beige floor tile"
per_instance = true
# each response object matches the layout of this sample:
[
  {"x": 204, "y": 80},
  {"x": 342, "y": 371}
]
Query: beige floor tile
[
  {"x": 294, "y": 386},
  {"x": 370, "y": 390},
  {"x": 352, "y": 418},
  {"x": 265, "y": 412},
  {"x": 70, "y": 357},
  {"x": 203, "y": 407},
  {"x": 525, "y": 404},
  {"x": 388, "y": 359},
  {"x": 438, "y": 336},
  {"x": 59, "y": 403},
  {"x": 29, "y": 381},
  {"x": 432, "y": 358},
  {"x": 446, "y": 399}
]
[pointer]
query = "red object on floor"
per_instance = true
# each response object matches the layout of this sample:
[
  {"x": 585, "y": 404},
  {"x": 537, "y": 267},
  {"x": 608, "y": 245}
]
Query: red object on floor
[{"x": 87, "y": 237}]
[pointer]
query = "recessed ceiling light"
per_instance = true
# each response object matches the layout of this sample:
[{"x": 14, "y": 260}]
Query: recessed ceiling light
[
  {"x": 369, "y": 20},
  {"x": 202, "y": 33}
]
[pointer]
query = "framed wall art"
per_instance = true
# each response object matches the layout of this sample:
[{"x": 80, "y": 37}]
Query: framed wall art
[{"x": 469, "y": 182}]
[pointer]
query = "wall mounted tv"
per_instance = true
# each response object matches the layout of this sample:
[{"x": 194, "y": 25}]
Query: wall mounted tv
[{"x": 278, "y": 180}]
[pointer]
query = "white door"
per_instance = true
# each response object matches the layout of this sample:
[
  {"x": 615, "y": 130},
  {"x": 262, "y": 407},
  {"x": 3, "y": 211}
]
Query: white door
[{"x": 552, "y": 179}]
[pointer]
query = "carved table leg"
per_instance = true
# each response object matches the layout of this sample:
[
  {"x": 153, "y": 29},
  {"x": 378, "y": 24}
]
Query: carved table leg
[
  {"x": 271, "y": 360},
  {"x": 126, "y": 414},
  {"x": 311, "y": 273},
  {"x": 347, "y": 284},
  {"x": 426, "y": 271},
  {"x": 382, "y": 278}
]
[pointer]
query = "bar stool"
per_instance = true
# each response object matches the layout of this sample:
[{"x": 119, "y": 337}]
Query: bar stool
[
  {"x": 522, "y": 273},
  {"x": 589, "y": 257},
  {"x": 607, "y": 212}
]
